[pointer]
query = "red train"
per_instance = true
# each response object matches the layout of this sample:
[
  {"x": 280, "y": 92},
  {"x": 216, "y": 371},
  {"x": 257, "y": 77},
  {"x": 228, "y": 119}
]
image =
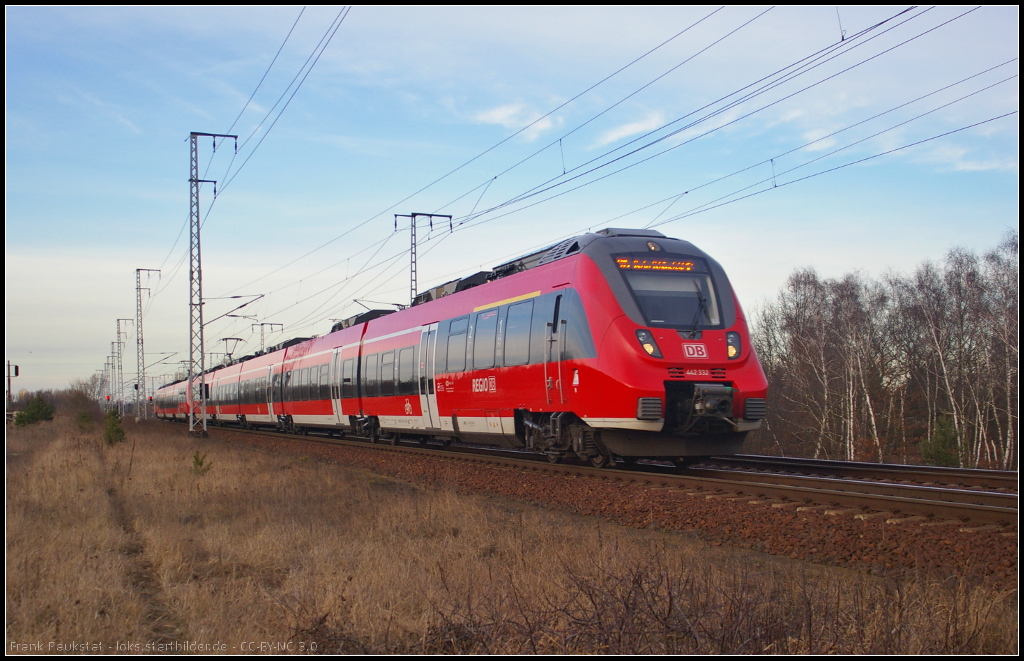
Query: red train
[{"x": 619, "y": 343}]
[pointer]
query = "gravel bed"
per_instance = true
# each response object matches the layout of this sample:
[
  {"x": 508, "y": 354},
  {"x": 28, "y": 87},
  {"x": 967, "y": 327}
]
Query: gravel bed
[{"x": 871, "y": 545}]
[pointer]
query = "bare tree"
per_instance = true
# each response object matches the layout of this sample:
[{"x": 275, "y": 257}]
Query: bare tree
[{"x": 920, "y": 367}]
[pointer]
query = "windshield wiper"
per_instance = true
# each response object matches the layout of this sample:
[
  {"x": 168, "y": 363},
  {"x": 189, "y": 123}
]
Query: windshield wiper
[{"x": 702, "y": 307}]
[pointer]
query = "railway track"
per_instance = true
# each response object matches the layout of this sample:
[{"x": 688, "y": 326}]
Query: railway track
[
  {"x": 965, "y": 478},
  {"x": 920, "y": 495}
]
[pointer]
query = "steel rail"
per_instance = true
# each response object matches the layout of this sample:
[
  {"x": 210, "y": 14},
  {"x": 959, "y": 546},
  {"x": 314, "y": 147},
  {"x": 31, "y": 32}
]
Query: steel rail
[
  {"x": 898, "y": 499},
  {"x": 994, "y": 479}
]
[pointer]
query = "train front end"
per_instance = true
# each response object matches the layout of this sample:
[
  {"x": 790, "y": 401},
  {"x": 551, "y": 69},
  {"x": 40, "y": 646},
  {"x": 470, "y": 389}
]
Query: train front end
[{"x": 676, "y": 373}]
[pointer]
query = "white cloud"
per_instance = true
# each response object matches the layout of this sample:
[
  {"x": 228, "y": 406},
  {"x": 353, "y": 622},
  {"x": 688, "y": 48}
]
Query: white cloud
[
  {"x": 653, "y": 121},
  {"x": 819, "y": 144},
  {"x": 518, "y": 116},
  {"x": 108, "y": 110},
  {"x": 509, "y": 116},
  {"x": 958, "y": 159}
]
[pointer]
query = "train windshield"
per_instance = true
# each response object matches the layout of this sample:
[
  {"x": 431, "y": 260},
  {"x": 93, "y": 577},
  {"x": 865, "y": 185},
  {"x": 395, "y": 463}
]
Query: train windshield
[{"x": 672, "y": 291}]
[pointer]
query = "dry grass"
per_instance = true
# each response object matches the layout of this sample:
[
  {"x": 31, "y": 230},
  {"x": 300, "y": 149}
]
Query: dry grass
[
  {"x": 266, "y": 549},
  {"x": 66, "y": 564}
]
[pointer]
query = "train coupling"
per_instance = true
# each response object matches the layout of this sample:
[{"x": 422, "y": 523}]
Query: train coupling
[{"x": 712, "y": 399}]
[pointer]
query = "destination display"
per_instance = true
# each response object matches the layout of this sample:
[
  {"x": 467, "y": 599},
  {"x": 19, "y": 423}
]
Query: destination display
[{"x": 643, "y": 264}]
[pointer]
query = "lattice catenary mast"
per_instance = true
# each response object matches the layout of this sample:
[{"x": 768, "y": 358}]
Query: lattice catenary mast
[
  {"x": 412, "y": 263},
  {"x": 141, "y": 401},
  {"x": 196, "y": 357}
]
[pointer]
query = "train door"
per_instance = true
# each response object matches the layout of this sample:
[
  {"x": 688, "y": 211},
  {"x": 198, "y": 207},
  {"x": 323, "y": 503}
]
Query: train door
[
  {"x": 266, "y": 394},
  {"x": 336, "y": 381},
  {"x": 555, "y": 336},
  {"x": 428, "y": 396},
  {"x": 275, "y": 399}
]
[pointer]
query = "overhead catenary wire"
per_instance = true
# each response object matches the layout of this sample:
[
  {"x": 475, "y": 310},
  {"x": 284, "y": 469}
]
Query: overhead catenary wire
[
  {"x": 486, "y": 151},
  {"x": 558, "y": 141},
  {"x": 862, "y": 32},
  {"x": 269, "y": 67},
  {"x": 332, "y": 30},
  {"x": 835, "y": 133},
  {"x": 840, "y": 167},
  {"x": 711, "y": 205},
  {"x": 539, "y": 191},
  {"x": 677, "y": 197},
  {"x": 542, "y": 188},
  {"x": 321, "y": 46},
  {"x": 487, "y": 183}
]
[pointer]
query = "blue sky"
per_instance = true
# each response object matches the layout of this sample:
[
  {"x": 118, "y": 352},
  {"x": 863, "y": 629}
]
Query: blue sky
[{"x": 100, "y": 102}]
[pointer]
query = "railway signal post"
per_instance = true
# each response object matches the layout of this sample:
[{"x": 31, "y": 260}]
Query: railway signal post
[{"x": 10, "y": 400}]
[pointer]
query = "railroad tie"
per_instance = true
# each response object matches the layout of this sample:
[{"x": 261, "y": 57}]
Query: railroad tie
[
  {"x": 981, "y": 528},
  {"x": 907, "y": 519},
  {"x": 841, "y": 512},
  {"x": 872, "y": 515}
]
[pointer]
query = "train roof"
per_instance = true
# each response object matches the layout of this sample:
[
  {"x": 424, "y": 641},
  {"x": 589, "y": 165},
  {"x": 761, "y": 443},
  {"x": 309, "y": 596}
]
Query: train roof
[
  {"x": 532, "y": 260},
  {"x": 571, "y": 246}
]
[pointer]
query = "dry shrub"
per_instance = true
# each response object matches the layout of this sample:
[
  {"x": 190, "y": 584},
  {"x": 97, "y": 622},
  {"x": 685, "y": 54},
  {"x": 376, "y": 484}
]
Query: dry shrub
[{"x": 654, "y": 601}]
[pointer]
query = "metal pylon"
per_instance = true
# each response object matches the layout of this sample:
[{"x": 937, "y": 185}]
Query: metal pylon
[{"x": 196, "y": 356}]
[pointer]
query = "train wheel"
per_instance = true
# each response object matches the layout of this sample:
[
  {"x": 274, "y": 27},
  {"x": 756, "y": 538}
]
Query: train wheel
[
  {"x": 395, "y": 438},
  {"x": 555, "y": 457},
  {"x": 600, "y": 460}
]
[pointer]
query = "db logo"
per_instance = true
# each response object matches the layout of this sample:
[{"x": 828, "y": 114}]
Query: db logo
[
  {"x": 695, "y": 351},
  {"x": 485, "y": 384}
]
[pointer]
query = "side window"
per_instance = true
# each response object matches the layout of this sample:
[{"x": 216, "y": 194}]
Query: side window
[
  {"x": 407, "y": 371},
  {"x": 387, "y": 373},
  {"x": 325, "y": 381},
  {"x": 304, "y": 385},
  {"x": 517, "y": 333},
  {"x": 483, "y": 343},
  {"x": 457, "y": 344},
  {"x": 348, "y": 378},
  {"x": 371, "y": 376}
]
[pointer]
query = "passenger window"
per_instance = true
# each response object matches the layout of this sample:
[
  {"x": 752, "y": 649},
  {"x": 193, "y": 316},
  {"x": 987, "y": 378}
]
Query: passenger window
[
  {"x": 371, "y": 376},
  {"x": 407, "y": 371},
  {"x": 517, "y": 333},
  {"x": 483, "y": 344},
  {"x": 348, "y": 379},
  {"x": 457, "y": 345},
  {"x": 387, "y": 373},
  {"x": 325, "y": 383}
]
